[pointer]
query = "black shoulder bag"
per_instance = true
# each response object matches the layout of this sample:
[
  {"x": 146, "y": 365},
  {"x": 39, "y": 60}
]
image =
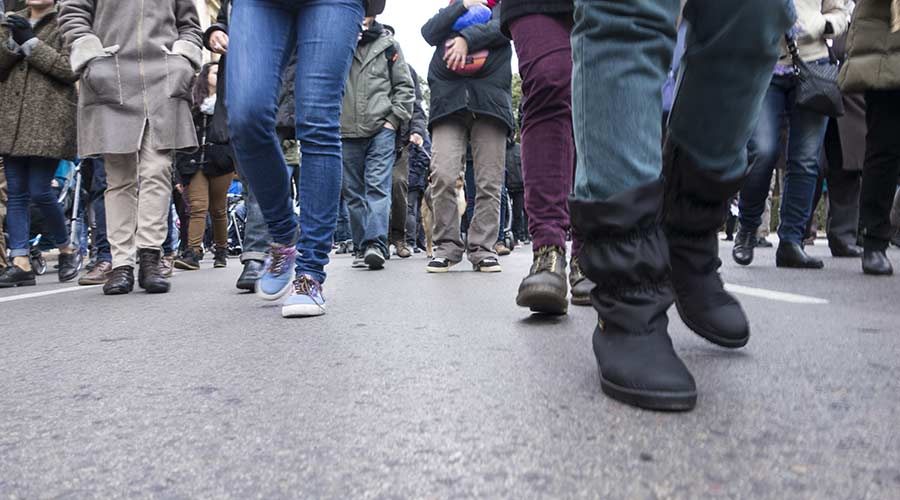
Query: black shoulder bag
[{"x": 817, "y": 88}]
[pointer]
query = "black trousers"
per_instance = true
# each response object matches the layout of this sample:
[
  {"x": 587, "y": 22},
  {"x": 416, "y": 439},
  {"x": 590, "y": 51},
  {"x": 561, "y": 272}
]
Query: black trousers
[{"x": 882, "y": 166}]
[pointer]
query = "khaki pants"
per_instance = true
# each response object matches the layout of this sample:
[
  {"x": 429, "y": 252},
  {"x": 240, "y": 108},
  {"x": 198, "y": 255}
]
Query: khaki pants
[
  {"x": 208, "y": 194},
  {"x": 138, "y": 196},
  {"x": 487, "y": 137}
]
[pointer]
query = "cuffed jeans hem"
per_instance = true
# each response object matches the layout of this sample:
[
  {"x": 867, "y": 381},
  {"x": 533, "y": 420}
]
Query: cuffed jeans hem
[{"x": 19, "y": 252}]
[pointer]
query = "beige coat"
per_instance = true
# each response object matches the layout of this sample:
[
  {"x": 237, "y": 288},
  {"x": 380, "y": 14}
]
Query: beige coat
[
  {"x": 873, "y": 48},
  {"x": 37, "y": 95},
  {"x": 812, "y": 16},
  {"x": 137, "y": 59}
]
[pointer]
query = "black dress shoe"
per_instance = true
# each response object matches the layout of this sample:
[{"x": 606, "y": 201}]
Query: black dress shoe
[
  {"x": 69, "y": 266},
  {"x": 14, "y": 276},
  {"x": 120, "y": 281},
  {"x": 763, "y": 243},
  {"x": 841, "y": 249},
  {"x": 744, "y": 243},
  {"x": 792, "y": 255},
  {"x": 876, "y": 263},
  {"x": 253, "y": 270}
]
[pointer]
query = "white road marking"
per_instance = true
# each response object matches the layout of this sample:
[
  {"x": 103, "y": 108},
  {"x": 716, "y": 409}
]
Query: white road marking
[
  {"x": 773, "y": 295},
  {"x": 26, "y": 296}
]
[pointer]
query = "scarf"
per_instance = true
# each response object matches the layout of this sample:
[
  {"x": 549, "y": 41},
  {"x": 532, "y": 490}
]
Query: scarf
[
  {"x": 208, "y": 106},
  {"x": 373, "y": 33}
]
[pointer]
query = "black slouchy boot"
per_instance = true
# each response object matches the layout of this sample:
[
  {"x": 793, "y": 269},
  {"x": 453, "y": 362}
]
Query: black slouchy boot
[
  {"x": 696, "y": 205},
  {"x": 626, "y": 254}
]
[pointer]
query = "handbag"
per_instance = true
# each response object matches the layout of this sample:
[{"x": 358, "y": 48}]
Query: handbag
[{"x": 816, "y": 84}]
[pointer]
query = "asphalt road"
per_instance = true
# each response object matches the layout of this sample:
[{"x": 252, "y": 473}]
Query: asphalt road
[{"x": 437, "y": 386}]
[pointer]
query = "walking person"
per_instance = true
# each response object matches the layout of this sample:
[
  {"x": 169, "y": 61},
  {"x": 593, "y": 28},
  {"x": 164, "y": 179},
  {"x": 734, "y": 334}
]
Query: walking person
[
  {"x": 37, "y": 130},
  {"x": 817, "y": 21},
  {"x": 651, "y": 240},
  {"x": 874, "y": 46},
  {"x": 98, "y": 272},
  {"x": 470, "y": 77},
  {"x": 541, "y": 31},
  {"x": 207, "y": 173},
  {"x": 378, "y": 101},
  {"x": 262, "y": 34},
  {"x": 136, "y": 67},
  {"x": 412, "y": 134}
]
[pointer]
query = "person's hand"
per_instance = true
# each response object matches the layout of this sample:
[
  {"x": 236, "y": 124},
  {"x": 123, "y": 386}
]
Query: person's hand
[
  {"x": 416, "y": 139},
  {"x": 218, "y": 42},
  {"x": 457, "y": 51},
  {"x": 20, "y": 29},
  {"x": 471, "y": 3},
  {"x": 179, "y": 188},
  {"x": 389, "y": 126}
]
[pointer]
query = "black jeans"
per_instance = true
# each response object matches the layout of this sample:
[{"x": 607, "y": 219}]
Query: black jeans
[{"x": 882, "y": 166}]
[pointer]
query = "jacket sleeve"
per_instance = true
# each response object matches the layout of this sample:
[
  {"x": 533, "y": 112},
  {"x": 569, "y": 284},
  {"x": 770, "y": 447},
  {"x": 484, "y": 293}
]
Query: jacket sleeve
[
  {"x": 76, "y": 21},
  {"x": 8, "y": 58},
  {"x": 484, "y": 36},
  {"x": 419, "y": 122},
  {"x": 438, "y": 28},
  {"x": 53, "y": 63},
  {"x": 403, "y": 92},
  {"x": 836, "y": 13},
  {"x": 221, "y": 24},
  {"x": 190, "y": 36}
]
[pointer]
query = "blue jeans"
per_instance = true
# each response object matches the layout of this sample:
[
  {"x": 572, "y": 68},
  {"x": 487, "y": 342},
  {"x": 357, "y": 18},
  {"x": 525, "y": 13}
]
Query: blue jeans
[
  {"x": 622, "y": 50},
  {"x": 170, "y": 244},
  {"x": 368, "y": 170},
  {"x": 264, "y": 34},
  {"x": 28, "y": 181},
  {"x": 806, "y": 133},
  {"x": 256, "y": 233},
  {"x": 98, "y": 206},
  {"x": 342, "y": 233}
]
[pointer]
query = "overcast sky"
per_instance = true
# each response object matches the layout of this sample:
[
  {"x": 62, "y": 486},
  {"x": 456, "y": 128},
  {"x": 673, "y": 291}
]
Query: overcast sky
[{"x": 407, "y": 17}]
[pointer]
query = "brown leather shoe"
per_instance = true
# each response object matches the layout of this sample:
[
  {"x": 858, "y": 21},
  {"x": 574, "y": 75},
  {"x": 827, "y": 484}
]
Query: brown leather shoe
[
  {"x": 167, "y": 265},
  {"x": 97, "y": 275}
]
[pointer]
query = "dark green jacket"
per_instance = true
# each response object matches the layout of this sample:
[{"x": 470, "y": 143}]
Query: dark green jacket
[
  {"x": 377, "y": 92},
  {"x": 873, "y": 46}
]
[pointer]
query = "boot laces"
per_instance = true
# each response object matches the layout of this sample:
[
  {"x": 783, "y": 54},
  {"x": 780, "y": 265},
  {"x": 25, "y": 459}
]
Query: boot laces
[{"x": 546, "y": 259}]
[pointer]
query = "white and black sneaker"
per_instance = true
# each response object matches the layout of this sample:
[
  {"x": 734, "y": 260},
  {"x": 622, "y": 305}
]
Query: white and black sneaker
[
  {"x": 488, "y": 265},
  {"x": 439, "y": 265},
  {"x": 374, "y": 258},
  {"x": 359, "y": 262}
]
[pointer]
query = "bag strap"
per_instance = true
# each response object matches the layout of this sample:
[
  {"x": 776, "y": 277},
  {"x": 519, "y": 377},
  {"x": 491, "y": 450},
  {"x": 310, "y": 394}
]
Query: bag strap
[{"x": 794, "y": 51}]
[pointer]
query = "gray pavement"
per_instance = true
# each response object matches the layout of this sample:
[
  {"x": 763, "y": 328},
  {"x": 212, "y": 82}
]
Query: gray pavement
[{"x": 425, "y": 386}]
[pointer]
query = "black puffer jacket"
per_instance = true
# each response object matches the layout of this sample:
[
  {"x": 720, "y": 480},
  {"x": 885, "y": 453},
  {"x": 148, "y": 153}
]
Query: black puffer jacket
[
  {"x": 514, "y": 9},
  {"x": 213, "y": 159},
  {"x": 489, "y": 92}
]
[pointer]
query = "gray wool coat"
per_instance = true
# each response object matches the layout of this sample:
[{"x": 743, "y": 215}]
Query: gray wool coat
[
  {"x": 137, "y": 60},
  {"x": 37, "y": 95}
]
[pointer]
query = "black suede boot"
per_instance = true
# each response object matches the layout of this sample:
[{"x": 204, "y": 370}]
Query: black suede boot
[
  {"x": 696, "y": 207},
  {"x": 625, "y": 253},
  {"x": 150, "y": 277}
]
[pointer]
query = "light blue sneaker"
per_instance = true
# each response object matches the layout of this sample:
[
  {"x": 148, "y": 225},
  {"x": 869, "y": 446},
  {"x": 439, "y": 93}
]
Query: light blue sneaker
[
  {"x": 306, "y": 299},
  {"x": 276, "y": 280}
]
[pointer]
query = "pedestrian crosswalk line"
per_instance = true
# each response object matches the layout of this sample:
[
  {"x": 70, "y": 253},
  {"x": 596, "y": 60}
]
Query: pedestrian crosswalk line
[
  {"x": 35, "y": 295},
  {"x": 773, "y": 295}
]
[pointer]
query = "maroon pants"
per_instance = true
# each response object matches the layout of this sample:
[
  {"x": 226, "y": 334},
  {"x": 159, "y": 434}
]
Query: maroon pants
[{"x": 548, "y": 146}]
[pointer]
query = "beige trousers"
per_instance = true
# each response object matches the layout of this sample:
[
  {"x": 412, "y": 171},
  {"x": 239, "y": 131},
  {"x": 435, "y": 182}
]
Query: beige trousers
[
  {"x": 450, "y": 137},
  {"x": 138, "y": 196}
]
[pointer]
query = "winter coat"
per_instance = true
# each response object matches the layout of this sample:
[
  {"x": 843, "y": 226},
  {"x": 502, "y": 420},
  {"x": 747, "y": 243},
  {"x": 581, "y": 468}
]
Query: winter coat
[
  {"x": 845, "y": 139},
  {"x": 378, "y": 90},
  {"x": 418, "y": 124},
  {"x": 514, "y": 9},
  {"x": 137, "y": 61},
  {"x": 514, "y": 181},
  {"x": 812, "y": 17},
  {"x": 37, "y": 94},
  {"x": 489, "y": 92},
  {"x": 873, "y": 46},
  {"x": 218, "y": 129},
  {"x": 213, "y": 159},
  {"x": 420, "y": 165}
]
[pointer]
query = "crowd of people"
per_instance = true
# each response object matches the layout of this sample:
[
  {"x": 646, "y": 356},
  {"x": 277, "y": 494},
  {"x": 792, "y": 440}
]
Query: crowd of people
[{"x": 641, "y": 131}]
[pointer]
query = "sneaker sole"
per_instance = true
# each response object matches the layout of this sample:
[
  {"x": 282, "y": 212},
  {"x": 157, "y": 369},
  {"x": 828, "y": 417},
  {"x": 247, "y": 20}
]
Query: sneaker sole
[
  {"x": 279, "y": 294},
  {"x": 375, "y": 262},
  {"x": 581, "y": 301},
  {"x": 302, "y": 311},
  {"x": 711, "y": 336},
  {"x": 492, "y": 269},
  {"x": 650, "y": 400}
]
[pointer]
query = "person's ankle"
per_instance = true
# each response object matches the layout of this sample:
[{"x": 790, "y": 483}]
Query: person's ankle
[{"x": 67, "y": 250}]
